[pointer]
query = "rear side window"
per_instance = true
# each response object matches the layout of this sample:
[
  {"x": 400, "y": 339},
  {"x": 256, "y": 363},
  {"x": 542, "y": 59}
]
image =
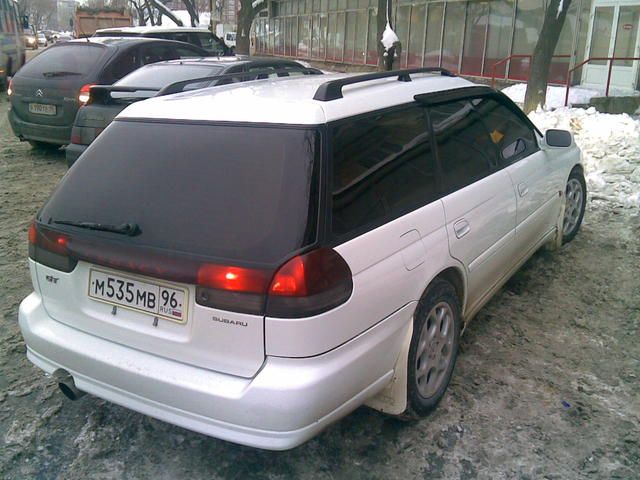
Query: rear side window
[
  {"x": 124, "y": 63},
  {"x": 511, "y": 135},
  {"x": 466, "y": 151},
  {"x": 209, "y": 43},
  {"x": 161, "y": 75},
  {"x": 65, "y": 60},
  {"x": 238, "y": 193},
  {"x": 157, "y": 53},
  {"x": 383, "y": 167}
]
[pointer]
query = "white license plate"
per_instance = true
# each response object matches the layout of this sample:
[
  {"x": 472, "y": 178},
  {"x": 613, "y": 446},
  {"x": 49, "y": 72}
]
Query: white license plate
[
  {"x": 156, "y": 299},
  {"x": 42, "y": 109}
]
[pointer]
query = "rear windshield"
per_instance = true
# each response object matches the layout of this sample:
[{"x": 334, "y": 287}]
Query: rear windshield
[
  {"x": 238, "y": 193},
  {"x": 65, "y": 60},
  {"x": 158, "y": 76}
]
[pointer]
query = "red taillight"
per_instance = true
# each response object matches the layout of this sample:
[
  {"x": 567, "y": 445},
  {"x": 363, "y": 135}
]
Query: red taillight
[
  {"x": 305, "y": 285},
  {"x": 309, "y": 284},
  {"x": 235, "y": 279},
  {"x": 77, "y": 139},
  {"x": 83, "y": 95},
  {"x": 33, "y": 235},
  {"x": 50, "y": 248},
  {"x": 290, "y": 279}
]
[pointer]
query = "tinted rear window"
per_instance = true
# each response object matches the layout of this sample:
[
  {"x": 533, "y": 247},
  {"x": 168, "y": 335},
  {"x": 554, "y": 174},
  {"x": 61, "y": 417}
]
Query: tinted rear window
[
  {"x": 73, "y": 59},
  {"x": 158, "y": 76},
  {"x": 244, "y": 194}
]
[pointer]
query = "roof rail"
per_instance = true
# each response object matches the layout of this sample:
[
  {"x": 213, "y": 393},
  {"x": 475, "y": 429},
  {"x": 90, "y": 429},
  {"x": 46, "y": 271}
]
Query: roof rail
[
  {"x": 332, "y": 90},
  {"x": 242, "y": 76}
]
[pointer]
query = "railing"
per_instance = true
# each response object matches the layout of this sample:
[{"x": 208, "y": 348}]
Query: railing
[
  {"x": 510, "y": 57},
  {"x": 609, "y": 59}
]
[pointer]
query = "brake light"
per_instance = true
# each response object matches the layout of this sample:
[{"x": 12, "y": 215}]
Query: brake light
[
  {"x": 310, "y": 284},
  {"x": 305, "y": 285},
  {"x": 236, "y": 279},
  {"x": 83, "y": 96},
  {"x": 50, "y": 248}
]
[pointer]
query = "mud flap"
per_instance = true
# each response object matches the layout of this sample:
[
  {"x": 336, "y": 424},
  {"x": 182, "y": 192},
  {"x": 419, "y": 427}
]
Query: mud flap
[
  {"x": 556, "y": 242},
  {"x": 393, "y": 399}
]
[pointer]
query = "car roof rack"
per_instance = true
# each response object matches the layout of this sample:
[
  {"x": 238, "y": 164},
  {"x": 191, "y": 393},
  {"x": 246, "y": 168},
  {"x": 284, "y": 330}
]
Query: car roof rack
[
  {"x": 178, "y": 87},
  {"x": 332, "y": 90}
]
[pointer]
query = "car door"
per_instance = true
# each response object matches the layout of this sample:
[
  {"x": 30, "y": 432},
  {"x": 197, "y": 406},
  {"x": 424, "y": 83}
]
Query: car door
[
  {"x": 531, "y": 170},
  {"x": 479, "y": 201}
]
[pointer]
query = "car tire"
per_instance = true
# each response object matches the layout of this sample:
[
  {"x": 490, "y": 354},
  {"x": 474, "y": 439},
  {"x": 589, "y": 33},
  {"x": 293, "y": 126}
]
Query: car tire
[
  {"x": 434, "y": 348},
  {"x": 36, "y": 145},
  {"x": 575, "y": 205}
]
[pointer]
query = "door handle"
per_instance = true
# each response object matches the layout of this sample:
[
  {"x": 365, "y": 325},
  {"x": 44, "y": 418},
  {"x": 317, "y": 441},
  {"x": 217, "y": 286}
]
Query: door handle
[
  {"x": 461, "y": 228},
  {"x": 523, "y": 189}
]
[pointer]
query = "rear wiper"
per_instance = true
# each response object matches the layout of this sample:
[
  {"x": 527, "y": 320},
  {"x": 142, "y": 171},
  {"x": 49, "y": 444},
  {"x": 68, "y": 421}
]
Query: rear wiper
[
  {"x": 130, "y": 229},
  {"x": 61, "y": 73}
]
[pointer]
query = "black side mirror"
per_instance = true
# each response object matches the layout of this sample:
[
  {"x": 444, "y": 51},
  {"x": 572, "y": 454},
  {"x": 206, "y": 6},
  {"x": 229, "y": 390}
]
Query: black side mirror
[{"x": 558, "y": 138}]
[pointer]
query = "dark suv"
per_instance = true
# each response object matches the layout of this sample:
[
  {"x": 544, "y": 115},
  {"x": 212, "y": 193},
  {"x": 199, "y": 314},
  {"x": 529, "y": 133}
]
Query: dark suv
[{"x": 46, "y": 93}]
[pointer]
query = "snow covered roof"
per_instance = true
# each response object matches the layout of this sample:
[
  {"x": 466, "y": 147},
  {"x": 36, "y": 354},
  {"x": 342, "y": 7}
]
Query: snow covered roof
[{"x": 289, "y": 100}]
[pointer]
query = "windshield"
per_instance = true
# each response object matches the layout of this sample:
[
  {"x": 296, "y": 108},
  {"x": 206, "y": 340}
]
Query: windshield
[
  {"x": 239, "y": 193},
  {"x": 73, "y": 59},
  {"x": 158, "y": 76}
]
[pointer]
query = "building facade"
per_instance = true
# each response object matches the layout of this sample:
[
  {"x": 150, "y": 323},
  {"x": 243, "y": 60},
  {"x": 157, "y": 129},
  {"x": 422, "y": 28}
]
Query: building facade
[{"x": 472, "y": 37}]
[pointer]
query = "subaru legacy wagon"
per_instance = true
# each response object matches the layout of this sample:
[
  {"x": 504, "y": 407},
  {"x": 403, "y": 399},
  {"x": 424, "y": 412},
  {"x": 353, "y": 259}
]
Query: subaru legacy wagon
[{"x": 254, "y": 261}]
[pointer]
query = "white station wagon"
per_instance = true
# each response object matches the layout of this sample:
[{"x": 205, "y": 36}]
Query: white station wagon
[{"x": 255, "y": 261}]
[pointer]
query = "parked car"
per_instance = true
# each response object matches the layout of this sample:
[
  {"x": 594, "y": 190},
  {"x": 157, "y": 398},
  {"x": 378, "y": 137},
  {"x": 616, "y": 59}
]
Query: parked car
[
  {"x": 30, "y": 41},
  {"x": 148, "y": 81},
  {"x": 200, "y": 37},
  {"x": 255, "y": 261},
  {"x": 61, "y": 38},
  {"x": 47, "y": 91},
  {"x": 42, "y": 40},
  {"x": 230, "y": 39}
]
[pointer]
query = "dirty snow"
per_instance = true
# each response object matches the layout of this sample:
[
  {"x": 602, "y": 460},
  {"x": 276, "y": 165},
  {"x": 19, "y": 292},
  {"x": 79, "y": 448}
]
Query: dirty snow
[
  {"x": 389, "y": 37},
  {"x": 610, "y": 147},
  {"x": 555, "y": 95}
]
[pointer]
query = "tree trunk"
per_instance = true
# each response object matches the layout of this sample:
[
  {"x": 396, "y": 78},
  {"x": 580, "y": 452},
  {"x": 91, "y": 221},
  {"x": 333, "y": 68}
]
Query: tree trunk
[
  {"x": 245, "y": 19},
  {"x": 542, "y": 55},
  {"x": 193, "y": 12},
  {"x": 381, "y": 23},
  {"x": 164, "y": 10}
]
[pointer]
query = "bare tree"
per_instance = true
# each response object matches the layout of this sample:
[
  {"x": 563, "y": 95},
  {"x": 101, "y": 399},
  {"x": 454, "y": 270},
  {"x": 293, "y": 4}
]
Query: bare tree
[
  {"x": 192, "y": 8},
  {"x": 554, "y": 18},
  {"x": 164, "y": 10},
  {"x": 38, "y": 11},
  {"x": 248, "y": 10}
]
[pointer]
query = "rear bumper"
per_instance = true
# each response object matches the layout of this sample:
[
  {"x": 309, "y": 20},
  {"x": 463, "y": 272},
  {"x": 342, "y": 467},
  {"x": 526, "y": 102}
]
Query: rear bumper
[
  {"x": 285, "y": 404},
  {"x": 73, "y": 152},
  {"x": 58, "y": 135}
]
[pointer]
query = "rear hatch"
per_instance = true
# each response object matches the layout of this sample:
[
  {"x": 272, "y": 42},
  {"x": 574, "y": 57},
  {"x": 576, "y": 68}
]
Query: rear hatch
[
  {"x": 162, "y": 236},
  {"x": 46, "y": 89}
]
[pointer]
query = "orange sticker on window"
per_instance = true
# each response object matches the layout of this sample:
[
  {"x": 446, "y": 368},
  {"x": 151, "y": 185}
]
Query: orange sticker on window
[{"x": 496, "y": 136}]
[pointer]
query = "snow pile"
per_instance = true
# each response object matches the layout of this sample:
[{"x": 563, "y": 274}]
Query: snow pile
[
  {"x": 555, "y": 95},
  {"x": 389, "y": 37},
  {"x": 610, "y": 147}
]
